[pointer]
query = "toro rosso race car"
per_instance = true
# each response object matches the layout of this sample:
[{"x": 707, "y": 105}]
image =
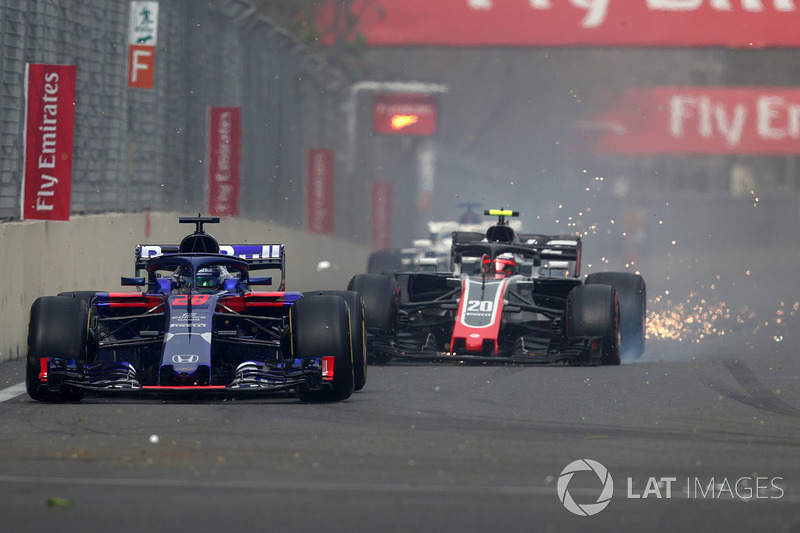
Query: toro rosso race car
[
  {"x": 198, "y": 327},
  {"x": 507, "y": 297}
]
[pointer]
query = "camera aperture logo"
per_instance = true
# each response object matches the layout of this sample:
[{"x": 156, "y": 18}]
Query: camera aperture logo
[
  {"x": 587, "y": 509},
  {"x": 745, "y": 488}
]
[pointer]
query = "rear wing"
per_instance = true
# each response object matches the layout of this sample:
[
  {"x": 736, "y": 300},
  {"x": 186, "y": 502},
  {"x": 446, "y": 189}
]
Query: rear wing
[
  {"x": 558, "y": 252},
  {"x": 257, "y": 256}
]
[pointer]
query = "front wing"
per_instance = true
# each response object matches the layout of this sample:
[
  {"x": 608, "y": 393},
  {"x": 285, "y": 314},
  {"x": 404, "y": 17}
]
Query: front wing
[
  {"x": 575, "y": 351},
  {"x": 252, "y": 378}
]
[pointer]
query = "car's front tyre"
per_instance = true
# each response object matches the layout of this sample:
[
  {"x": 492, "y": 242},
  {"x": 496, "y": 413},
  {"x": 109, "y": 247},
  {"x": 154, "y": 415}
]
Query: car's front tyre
[
  {"x": 593, "y": 311},
  {"x": 381, "y": 297},
  {"x": 357, "y": 331},
  {"x": 632, "y": 293},
  {"x": 58, "y": 327},
  {"x": 319, "y": 326}
]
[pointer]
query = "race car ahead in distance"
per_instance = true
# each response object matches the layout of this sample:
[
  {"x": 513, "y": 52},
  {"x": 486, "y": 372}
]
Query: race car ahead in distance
[
  {"x": 428, "y": 254},
  {"x": 198, "y": 328},
  {"x": 507, "y": 297},
  {"x": 431, "y": 253}
]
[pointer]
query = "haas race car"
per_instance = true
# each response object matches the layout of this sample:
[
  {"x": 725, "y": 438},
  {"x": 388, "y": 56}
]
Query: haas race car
[
  {"x": 506, "y": 297},
  {"x": 198, "y": 327}
]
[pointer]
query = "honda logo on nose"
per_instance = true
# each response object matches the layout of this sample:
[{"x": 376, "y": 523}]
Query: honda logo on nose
[{"x": 185, "y": 358}]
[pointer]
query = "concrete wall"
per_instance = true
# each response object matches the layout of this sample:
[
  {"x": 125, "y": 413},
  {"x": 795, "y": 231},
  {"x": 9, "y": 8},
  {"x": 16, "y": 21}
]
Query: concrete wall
[{"x": 92, "y": 252}]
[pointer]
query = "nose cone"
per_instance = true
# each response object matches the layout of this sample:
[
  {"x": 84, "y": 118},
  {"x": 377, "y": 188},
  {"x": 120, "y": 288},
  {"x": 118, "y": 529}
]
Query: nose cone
[{"x": 184, "y": 375}]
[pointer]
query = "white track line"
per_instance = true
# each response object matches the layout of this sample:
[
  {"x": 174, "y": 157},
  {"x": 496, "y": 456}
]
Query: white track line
[
  {"x": 322, "y": 486},
  {"x": 12, "y": 392}
]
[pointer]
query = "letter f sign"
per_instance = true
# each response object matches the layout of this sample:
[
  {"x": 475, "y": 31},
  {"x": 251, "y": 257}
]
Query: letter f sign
[{"x": 141, "y": 64}]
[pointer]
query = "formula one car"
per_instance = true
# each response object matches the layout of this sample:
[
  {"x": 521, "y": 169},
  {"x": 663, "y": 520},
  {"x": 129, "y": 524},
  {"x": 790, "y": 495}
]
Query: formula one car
[
  {"x": 430, "y": 254},
  {"x": 507, "y": 297},
  {"x": 198, "y": 328}
]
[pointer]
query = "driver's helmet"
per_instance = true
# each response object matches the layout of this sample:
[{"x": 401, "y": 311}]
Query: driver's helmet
[
  {"x": 208, "y": 278},
  {"x": 505, "y": 265}
]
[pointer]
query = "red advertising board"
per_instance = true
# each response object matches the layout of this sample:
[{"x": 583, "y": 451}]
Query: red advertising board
[
  {"x": 224, "y": 155},
  {"x": 319, "y": 191},
  {"x": 701, "y": 120},
  {"x": 729, "y": 23},
  {"x": 49, "y": 129},
  {"x": 404, "y": 114},
  {"x": 381, "y": 215}
]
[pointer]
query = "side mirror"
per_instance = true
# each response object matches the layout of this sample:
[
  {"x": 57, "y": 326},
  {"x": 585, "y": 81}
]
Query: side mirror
[
  {"x": 132, "y": 282},
  {"x": 486, "y": 264},
  {"x": 265, "y": 280},
  {"x": 230, "y": 284},
  {"x": 525, "y": 285},
  {"x": 454, "y": 283},
  {"x": 164, "y": 285}
]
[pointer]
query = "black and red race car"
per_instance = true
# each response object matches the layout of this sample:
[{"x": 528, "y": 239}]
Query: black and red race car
[
  {"x": 506, "y": 297},
  {"x": 198, "y": 327}
]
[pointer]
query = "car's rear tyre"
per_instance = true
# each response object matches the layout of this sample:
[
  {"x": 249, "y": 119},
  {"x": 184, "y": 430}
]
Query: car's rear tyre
[
  {"x": 58, "y": 327},
  {"x": 381, "y": 297},
  {"x": 593, "y": 311},
  {"x": 632, "y": 294},
  {"x": 86, "y": 296},
  {"x": 319, "y": 325},
  {"x": 358, "y": 334}
]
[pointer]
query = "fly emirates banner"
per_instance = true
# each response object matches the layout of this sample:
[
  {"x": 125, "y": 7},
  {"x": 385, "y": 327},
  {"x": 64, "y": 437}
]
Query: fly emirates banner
[
  {"x": 728, "y": 23},
  {"x": 700, "y": 120},
  {"x": 49, "y": 130}
]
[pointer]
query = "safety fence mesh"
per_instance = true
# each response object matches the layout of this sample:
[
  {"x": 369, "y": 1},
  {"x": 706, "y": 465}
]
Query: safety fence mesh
[{"x": 145, "y": 149}]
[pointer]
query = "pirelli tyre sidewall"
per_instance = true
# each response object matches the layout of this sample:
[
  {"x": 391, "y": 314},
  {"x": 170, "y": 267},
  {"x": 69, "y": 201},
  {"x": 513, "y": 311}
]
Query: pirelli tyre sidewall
[
  {"x": 593, "y": 311},
  {"x": 358, "y": 334},
  {"x": 320, "y": 326},
  {"x": 632, "y": 293},
  {"x": 58, "y": 327}
]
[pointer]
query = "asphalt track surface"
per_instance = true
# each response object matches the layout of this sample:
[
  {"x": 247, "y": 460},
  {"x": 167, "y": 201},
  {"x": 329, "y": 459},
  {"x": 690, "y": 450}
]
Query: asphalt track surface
[{"x": 442, "y": 447}]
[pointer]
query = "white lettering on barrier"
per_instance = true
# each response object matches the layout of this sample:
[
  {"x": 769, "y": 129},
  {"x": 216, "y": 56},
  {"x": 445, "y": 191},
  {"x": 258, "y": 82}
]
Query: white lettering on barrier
[
  {"x": 49, "y": 140},
  {"x": 48, "y": 182},
  {"x": 772, "y": 108},
  {"x": 597, "y": 10},
  {"x": 753, "y": 6},
  {"x": 775, "y": 118},
  {"x": 140, "y": 61}
]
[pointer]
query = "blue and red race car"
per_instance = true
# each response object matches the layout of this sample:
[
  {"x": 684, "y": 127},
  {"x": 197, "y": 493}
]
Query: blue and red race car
[{"x": 198, "y": 327}]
